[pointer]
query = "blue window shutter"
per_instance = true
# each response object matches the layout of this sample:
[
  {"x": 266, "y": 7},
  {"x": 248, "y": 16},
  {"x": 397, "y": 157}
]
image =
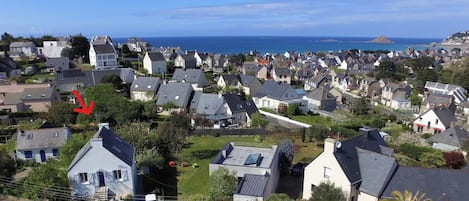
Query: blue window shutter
[{"x": 28, "y": 154}]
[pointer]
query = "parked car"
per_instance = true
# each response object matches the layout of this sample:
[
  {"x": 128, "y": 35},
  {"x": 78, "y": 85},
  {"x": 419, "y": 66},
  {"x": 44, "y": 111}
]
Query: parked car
[{"x": 297, "y": 169}]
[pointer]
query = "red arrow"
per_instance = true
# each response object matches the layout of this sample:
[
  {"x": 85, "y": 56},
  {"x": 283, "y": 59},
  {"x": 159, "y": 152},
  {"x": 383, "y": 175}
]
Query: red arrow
[{"x": 84, "y": 109}]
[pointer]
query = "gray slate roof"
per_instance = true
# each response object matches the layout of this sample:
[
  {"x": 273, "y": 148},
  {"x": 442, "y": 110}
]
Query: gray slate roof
[
  {"x": 235, "y": 104},
  {"x": 282, "y": 71},
  {"x": 116, "y": 145},
  {"x": 178, "y": 93},
  {"x": 321, "y": 93},
  {"x": 376, "y": 170},
  {"x": 11, "y": 98},
  {"x": 104, "y": 49},
  {"x": 45, "y": 93},
  {"x": 209, "y": 104},
  {"x": 150, "y": 84},
  {"x": 22, "y": 44},
  {"x": 435, "y": 183},
  {"x": 454, "y": 136},
  {"x": 156, "y": 56},
  {"x": 253, "y": 185},
  {"x": 193, "y": 76},
  {"x": 42, "y": 138},
  {"x": 438, "y": 99},
  {"x": 347, "y": 155},
  {"x": 278, "y": 91},
  {"x": 445, "y": 116},
  {"x": 91, "y": 78}
]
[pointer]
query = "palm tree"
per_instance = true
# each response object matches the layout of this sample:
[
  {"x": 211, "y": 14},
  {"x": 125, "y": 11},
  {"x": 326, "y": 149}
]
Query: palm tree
[{"x": 407, "y": 196}]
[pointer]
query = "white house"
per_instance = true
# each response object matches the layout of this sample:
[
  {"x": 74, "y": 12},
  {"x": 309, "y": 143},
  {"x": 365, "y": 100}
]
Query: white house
[
  {"x": 272, "y": 94},
  {"x": 104, "y": 168},
  {"x": 339, "y": 164},
  {"x": 434, "y": 121},
  {"x": 154, "y": 63},
  {"x": 102, "y": 53},
  {"x": 52, "y": 49},
  {"x": 40, "y": 144},
  {"x": 257, "y": 169},
  {"x": 25, "y": 48},
  {"x": 144, "y": 88}
]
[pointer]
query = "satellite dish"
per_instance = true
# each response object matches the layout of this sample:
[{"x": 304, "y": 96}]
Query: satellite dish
[{"x": 338, "y": 145}]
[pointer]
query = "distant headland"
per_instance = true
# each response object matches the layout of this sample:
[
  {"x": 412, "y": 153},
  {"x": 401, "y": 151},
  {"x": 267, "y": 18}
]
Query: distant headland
[{"x": 381, "y": 39}]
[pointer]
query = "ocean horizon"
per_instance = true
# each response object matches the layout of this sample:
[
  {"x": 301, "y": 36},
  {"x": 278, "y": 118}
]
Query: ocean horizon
[{"x": 280, "y": 44}]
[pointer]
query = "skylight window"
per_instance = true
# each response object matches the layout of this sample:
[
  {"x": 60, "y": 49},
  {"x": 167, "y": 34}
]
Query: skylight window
[
  {"x": 252, "y": 159},
  {"x": 136, "y": 86},
  {"x": 149, "y": 86}
]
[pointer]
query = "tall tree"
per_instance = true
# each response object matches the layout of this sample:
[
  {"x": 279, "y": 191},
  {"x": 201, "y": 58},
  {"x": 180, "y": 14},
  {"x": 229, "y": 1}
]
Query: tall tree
[
  {"x": 61, "y": 113},
  {"x": 389, "y": 69},
  {"x": 80, "y": 47},
  {"x": 222, "y": 184},
  {"x": 327, "y": 192},
  {"x": 360, "y": 106},
  {"x": 7, "y": 165}
]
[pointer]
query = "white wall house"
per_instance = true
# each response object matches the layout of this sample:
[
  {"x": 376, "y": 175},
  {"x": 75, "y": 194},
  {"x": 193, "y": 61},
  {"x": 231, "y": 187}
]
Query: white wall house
[
  {"x": 104, "y": 168},
  {"x": 26, "y": 48},
  {"x": 434, "y": 121},
  {"x": 52, "y": 49},
  {"x": 154, "y": 63},
  {"x": 144, "y": 88},
  {"x": 272, "y": 94},
  {"x": 102, "y": 53},
  {"x": 349, "y": 166},
  {"x": 40, "y": 144},
  {"x": 257, "y": 169}
]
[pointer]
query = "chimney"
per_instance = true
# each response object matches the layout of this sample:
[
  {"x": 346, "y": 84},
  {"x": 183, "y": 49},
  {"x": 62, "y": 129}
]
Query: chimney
[
  {"x": 329, "y": 145},
  {"x": 106, "y": 125}
]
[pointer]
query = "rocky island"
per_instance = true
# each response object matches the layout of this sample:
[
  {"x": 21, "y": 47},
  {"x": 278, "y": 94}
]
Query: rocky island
[{"x": 381, "y": 39}]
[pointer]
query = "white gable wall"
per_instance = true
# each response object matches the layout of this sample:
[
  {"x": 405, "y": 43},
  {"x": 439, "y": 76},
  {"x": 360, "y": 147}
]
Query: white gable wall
[
  {"x": 429, "y": 122},
  {"x": 314, "y": 174},
  {"x": 97, "y": 159}
]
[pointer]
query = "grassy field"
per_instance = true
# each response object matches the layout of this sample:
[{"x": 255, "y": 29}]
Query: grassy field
[
  {"x": 193, "y": 181},
  {"x": 312, "y": 119}
]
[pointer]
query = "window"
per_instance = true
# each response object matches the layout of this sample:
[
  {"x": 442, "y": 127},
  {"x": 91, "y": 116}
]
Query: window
[
  {"x": 28, "y": 154},
  {"x": 83, "y": 177},
  {"x": 312, "y": 188},
  {"x": 327, "y": 173},
  {"x": 54, "y": 152},
  {"x": 117, "y": 174},
  {"x": 436, "y": 121},
  {"x": 428, "y": 125}
]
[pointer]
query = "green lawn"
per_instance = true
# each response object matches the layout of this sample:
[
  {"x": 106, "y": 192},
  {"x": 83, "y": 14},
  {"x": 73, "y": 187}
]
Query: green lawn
[
  {"x": 312, "y": 119},
  {"x": 193, "y": 181}
]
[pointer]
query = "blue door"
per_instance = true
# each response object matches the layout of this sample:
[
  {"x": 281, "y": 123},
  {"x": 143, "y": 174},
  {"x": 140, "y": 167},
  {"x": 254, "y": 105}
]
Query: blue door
[
  {"x": 101, "y": 179},
  {"x": 43, "y": 155}
]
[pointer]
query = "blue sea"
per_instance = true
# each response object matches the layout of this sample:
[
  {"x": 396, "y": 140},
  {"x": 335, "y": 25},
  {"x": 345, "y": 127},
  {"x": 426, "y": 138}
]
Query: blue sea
[{"x": 278, "y": 44}]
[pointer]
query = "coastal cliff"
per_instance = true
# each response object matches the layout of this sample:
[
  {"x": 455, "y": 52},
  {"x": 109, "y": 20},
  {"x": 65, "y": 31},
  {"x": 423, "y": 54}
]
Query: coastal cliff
[{"x": 381, "y": 39}]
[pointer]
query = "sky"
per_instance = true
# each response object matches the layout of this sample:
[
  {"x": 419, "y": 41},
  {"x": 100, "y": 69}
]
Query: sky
[{"x": 157, "y": 18}]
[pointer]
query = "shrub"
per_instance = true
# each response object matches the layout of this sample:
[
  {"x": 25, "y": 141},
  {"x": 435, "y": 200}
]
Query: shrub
[{"x": 426, "y": 135}]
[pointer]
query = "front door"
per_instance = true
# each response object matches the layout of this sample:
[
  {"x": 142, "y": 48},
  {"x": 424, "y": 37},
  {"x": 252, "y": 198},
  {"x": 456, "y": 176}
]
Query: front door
[
  {"x": 43, "y": 155},
  {"x": 101, "y": 179}
]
